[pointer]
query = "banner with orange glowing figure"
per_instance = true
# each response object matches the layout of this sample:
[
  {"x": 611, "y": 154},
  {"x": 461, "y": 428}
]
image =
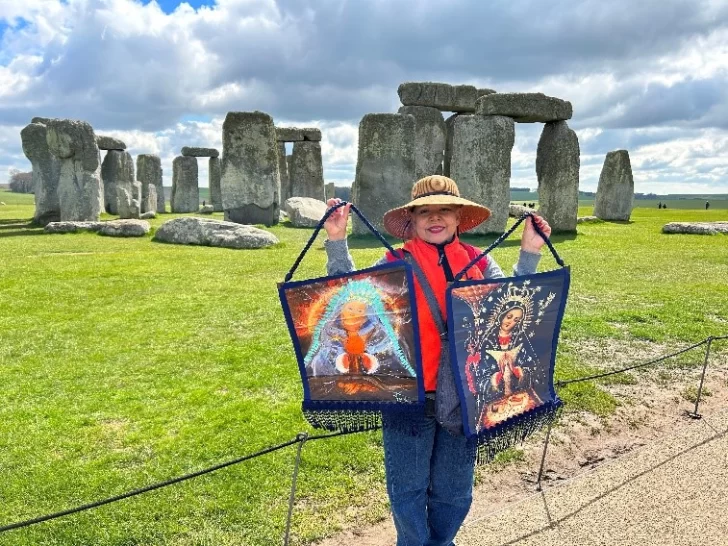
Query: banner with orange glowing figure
[{"x": 356, "y": 342}]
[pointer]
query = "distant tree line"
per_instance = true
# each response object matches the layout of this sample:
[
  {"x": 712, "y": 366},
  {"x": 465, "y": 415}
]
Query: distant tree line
[{"x": 20, "y": 182}]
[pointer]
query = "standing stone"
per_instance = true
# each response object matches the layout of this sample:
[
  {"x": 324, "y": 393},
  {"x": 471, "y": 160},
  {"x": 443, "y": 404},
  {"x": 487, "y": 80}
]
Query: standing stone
[
  {"x": 124, "y": 201},
  {"x": 46, "y": 172},
  {"x": 449, "y": 129},
  {"x": 80, "y": 190},
  {"x": 283, "y": 170},
  {"x": 149, "y": 173},
  {"x": 213, "y": 175},
  {"x": 307, "y": 170},
  {"x": 481, "y": 165},
  {"x": 330, "y": 190},
  {"x": 149, "y": 201},
  {"x": 557, "y": 169},
  {"x": 117, "y": 171},
  {"x": 250, "y": 184},
  {"x": 430, "y": 136},
  {"x": 185, "y": 190},
  {"x": 385, "y": 166},
  {"x": 615, "y": 193}
]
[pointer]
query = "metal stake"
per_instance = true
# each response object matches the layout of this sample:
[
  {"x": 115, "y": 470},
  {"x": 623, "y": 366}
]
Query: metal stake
[
  {"x": 302, "y": 437},
  {"x": 543, "y": 456},
  {"x": 695, "y": 414}
]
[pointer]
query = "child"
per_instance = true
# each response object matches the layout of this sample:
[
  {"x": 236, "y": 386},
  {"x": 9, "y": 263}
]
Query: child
[{"x": 429, "y": 463}]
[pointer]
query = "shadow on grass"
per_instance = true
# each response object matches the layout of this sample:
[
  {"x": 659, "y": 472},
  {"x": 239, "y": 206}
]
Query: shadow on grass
[{"x": 21, "y": 233}]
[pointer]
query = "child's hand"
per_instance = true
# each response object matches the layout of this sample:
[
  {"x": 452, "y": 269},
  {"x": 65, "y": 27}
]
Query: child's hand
[
  {"x": 531, "y": 241},
  {"x": 335, "y": 225}
]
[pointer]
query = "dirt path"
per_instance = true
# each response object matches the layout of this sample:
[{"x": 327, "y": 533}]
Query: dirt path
[{"x": 655, "y": 404}]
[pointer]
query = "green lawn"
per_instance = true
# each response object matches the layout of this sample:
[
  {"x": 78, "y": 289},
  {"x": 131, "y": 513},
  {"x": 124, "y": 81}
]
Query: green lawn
[{"x": 124, "y": 362}]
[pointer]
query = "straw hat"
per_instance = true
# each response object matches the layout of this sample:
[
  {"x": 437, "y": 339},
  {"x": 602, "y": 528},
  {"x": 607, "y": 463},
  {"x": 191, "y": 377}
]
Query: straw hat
[{"x": 434, "y": 190}]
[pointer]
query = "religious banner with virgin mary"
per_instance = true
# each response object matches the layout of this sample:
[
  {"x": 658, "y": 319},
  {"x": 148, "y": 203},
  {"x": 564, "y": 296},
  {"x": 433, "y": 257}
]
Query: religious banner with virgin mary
[{"x": 503, "y": 341}]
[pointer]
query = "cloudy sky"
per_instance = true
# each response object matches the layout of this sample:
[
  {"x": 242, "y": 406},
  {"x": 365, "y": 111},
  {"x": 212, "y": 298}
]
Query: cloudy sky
[{"x": 650, "y": 76}]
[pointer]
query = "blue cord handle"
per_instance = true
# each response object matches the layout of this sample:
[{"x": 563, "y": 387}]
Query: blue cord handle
[
  {"x": 325, "y": 217},
  {"x": 503, "y": 237}
]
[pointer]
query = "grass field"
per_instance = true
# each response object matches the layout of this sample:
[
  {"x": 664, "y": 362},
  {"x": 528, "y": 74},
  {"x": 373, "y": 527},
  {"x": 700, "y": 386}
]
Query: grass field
[{"x": 124, "y": 362}]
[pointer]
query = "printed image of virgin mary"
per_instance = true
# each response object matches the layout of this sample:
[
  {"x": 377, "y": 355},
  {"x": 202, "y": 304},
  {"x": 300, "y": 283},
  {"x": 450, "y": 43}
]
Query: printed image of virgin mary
[
  {"x": 500, "y": 375},
  {"x": 356, "y": 338}
]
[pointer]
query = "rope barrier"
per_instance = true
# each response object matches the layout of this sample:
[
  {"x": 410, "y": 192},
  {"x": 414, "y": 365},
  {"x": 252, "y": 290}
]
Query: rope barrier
[{"x": 302, "y": 438}]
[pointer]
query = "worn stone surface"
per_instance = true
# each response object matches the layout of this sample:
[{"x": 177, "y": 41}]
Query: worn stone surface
[
  {"x": 190, "y": 151},
  {"x": 80, "y": 190},
  {"x": 307, "y": 170},
  {"x": 330, "y": 191},
  {"x": 117, "y": 171},
  {"x": 557, "y": 170},
  {"x": 42, "y": 120},
  {"x": 296, "y": 134},
  {"x": 587, "y": 219},
  {"x": 124, "y": 203},
  {"x": 149, "y": 201},
  {"x": 71, "y": 227},
  {"x": 109, "y": 143},
  {"x": 385, "y": 167},
  {"x": 214, "y": 172},
  {"x": 430, "y": 136},
  {"x": 524, "y": 107},
  {"x": 443, "y": 96},
  {"x": 283, "y": 171},
  {"x": 149, "y": 215},
  {"x": 482, "y": 91},
  {"x": 250, "y": 180},
  {"x": 696, "y": 228},
  {"x": 449, "y": 124},
  {"x": 46, "y": 173},
  {"x": 207, "y": 232},
  {"x": 304, "y": 211},
  {"x": 149, "y": 173},
  {"x": 124, "y": 228},
  {"x": 481, "y": 165},
  {"x": 615, "y": 192},
  {"x": 185, "y": 189},
  {"x": 516, "y": 211},
  {"x": 207, "y": 209}
]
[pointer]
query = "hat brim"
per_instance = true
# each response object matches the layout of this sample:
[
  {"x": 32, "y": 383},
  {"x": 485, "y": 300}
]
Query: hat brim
[{"x": 398, "y": 223}]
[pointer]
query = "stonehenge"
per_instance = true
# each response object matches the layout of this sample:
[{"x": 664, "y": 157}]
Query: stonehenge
[
  {"x": 250, "y": 181},
  {"x": 462, "y": 131},
  {"x": 615, "y": 192}
]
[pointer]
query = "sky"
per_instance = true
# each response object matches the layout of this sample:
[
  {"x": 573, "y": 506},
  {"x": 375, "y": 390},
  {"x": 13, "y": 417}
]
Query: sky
[{"x": 649, "y": 76}]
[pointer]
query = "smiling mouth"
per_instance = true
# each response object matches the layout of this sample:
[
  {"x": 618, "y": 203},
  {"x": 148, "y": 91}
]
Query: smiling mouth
[{"x": 436, "y": 229}]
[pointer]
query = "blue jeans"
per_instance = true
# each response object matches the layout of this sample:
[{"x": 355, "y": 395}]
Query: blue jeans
[{"x": 429, "y": 481}]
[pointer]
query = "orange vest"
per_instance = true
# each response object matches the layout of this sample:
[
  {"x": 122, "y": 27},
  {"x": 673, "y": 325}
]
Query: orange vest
[{"x": 426, "y": 255}]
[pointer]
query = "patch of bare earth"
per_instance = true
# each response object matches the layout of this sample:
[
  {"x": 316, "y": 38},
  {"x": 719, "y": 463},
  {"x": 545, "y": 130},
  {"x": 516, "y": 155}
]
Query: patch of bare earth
[{"x": 654, "y": 405}]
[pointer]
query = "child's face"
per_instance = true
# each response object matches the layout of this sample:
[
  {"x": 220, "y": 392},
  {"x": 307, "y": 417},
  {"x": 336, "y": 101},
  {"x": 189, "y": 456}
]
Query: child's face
[{"x": 435, "y": 224}]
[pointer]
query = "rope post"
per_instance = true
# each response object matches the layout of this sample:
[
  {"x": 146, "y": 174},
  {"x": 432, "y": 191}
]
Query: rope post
[
  {"x": 694, "y": 414},
  {"x": 543, "y": 457},
  {"x": 301, "y": 438}
]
